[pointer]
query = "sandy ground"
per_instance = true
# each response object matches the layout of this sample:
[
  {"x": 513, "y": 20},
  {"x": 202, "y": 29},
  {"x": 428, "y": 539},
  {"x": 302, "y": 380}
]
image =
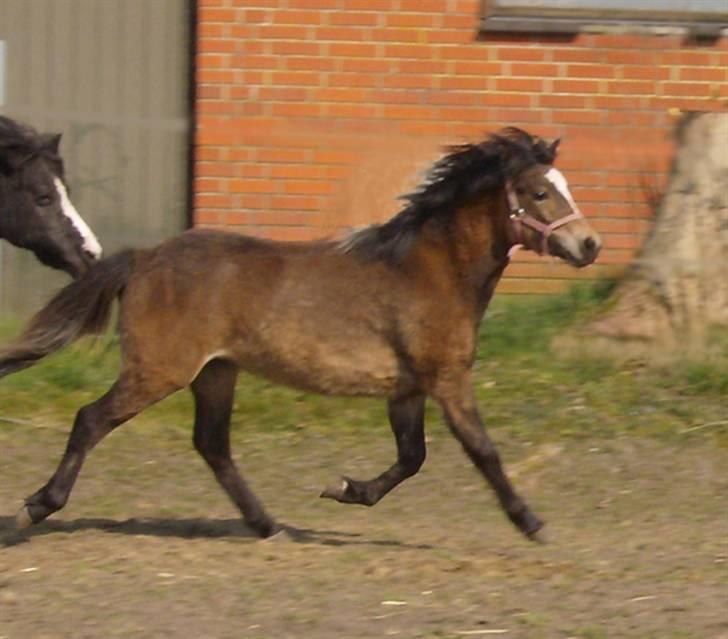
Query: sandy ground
[{"x": 150, "y": 547}]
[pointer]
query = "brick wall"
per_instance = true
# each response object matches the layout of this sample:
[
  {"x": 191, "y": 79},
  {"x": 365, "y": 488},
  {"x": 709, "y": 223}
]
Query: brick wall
[{"x": 313, "y": 115}]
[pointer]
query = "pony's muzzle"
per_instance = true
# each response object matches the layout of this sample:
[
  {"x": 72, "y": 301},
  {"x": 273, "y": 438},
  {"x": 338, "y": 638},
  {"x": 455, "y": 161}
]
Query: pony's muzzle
[
  {"x": 590, "y": 247},
  {"x": 76, "y": 265},
  {"x": 576, "y": 249}
]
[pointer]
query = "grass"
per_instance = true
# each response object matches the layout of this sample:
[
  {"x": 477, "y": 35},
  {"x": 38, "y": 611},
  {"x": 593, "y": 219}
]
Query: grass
[
  {"x": 525, "y": 325},
  {"x": 522, "y": 386}
]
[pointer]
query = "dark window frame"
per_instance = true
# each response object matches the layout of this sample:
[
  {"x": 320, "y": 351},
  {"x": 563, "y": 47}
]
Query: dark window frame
[{"x": 497, "y": 16}]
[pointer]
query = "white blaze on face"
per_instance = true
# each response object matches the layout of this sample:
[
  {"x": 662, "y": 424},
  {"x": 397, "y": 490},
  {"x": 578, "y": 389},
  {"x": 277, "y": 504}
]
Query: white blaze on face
[
  {"x": 90, "y": 243},
  {"x": 557, "y": 178}
]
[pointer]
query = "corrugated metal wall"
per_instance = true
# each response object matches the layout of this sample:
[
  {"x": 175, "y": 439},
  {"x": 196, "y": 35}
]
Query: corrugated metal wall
[{"x": 112, "y": 76}]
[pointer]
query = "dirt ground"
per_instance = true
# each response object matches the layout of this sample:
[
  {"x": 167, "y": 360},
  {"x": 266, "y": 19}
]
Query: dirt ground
[{"x": 150, "y": 547}]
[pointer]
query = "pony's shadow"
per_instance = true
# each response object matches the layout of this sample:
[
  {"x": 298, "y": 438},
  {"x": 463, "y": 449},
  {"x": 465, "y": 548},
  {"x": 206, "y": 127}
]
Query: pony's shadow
[{"x": 191, "y": 529}]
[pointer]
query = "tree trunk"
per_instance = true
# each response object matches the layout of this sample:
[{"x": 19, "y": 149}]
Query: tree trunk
[{"x": 678, "y": 287}]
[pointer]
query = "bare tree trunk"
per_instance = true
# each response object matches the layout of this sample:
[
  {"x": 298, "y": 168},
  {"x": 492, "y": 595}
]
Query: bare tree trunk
[{"x": 678, "y": 287}]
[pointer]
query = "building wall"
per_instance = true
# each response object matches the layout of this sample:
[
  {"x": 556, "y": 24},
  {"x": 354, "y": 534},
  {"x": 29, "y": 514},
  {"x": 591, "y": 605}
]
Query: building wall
[{"x": 313, "y": 115}]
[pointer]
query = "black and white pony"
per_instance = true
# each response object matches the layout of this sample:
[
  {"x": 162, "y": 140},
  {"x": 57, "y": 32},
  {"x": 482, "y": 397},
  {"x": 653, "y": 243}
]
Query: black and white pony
[{"x": 35, "y": 210}]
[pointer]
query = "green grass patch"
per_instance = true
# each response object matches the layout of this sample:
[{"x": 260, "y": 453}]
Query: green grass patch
[{"x": 517, "y": 325}]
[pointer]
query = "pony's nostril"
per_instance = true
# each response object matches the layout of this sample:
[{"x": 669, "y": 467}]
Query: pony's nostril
[{"x": 589, "y": 246}]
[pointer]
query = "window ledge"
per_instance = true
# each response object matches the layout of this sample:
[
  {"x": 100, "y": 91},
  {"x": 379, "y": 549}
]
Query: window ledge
[{"x": 526, "y": 24}]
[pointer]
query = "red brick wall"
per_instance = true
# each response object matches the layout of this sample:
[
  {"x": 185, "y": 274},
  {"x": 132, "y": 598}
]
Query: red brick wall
[{"x": 313, "y": 115}]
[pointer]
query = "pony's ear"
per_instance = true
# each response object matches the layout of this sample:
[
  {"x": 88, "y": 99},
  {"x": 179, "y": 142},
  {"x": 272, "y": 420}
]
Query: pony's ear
[
  {"x": 544, "y": 150},
  {"x": 51, "y": 142},
  {"x": 554, "y": 146}
]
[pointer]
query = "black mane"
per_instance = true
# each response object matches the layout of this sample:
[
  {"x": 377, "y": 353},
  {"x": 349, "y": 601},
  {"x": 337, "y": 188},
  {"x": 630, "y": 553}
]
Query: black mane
[
  {"x": 19, "y": 142},
  {"x": 466, "y": 172}
]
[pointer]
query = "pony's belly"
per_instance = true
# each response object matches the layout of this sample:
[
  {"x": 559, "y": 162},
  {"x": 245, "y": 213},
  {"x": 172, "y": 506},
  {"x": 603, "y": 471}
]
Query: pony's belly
[{"x": 328, "y": 370}]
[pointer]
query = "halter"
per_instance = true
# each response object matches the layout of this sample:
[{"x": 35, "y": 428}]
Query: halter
[{"x": 520, "y": 218}]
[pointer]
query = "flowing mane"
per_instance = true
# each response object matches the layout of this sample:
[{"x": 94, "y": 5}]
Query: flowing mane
[{"x": 466, "y": 172}]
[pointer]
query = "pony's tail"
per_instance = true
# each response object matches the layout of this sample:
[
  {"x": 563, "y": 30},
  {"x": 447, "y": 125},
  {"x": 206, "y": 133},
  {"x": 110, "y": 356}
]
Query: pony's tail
[{"x": 81, "y": 308}]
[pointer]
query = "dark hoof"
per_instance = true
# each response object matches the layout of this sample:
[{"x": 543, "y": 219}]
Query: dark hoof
[
  {"x": 532, "y": 526},
  {"x": 265, "y": 529},
  {"x": 528, "y": 524}
]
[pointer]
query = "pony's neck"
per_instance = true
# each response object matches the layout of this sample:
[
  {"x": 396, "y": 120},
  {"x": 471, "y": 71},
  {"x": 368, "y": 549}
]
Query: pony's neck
[
  {"x": 471, "y": 247},
  {"x": 480, "y": 242}
]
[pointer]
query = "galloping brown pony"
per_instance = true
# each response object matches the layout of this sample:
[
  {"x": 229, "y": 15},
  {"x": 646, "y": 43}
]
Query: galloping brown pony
[{"x": 393, "y": 310}]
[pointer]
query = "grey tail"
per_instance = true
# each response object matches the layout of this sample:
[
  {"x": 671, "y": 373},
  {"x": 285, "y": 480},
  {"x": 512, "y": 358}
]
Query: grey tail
[{"x": 83, "y": 307}]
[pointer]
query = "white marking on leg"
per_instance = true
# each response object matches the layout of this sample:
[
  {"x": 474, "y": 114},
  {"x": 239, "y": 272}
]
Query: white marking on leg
[
  {"x": 557, "y": 178},
  {"x": 90, "y": 243}
]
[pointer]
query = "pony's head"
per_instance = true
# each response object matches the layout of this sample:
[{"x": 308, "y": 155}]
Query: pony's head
[
  {"x": 513, "y": 168},
  {"x": 35, "y": 210},
  {"x": 543, "y": 213}
]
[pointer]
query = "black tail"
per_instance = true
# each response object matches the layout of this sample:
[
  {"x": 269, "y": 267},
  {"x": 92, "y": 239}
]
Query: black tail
[{"x": 81, "y": 308}]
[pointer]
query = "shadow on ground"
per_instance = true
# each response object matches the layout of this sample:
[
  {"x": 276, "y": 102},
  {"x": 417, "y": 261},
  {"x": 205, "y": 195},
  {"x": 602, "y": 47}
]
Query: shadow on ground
[{"x": 191, "y": 529}]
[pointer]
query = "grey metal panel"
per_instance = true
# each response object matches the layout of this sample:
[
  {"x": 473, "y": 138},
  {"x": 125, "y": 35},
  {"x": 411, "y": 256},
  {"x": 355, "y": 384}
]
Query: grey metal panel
[{"x": 112, "y": 76}]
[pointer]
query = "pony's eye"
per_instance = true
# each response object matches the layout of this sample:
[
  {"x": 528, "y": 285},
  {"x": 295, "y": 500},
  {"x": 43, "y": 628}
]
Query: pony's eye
[
  {"x": 540, "y": 196},
  {"x": 43, "y": 200}
]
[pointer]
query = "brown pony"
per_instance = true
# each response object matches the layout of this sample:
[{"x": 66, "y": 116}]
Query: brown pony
[{"x": 393, "y": 310}]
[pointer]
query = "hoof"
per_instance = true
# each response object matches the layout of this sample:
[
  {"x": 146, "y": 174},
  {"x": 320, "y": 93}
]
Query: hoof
[
  {"x": 23, "y": 519},
  {"x": 336, "y": 491},
  {"x": 280, "y": 536},
  {"x": 264, "y": 527},
  {"x": 540, "y": 537},
  {"x": 350, "y": 491}
]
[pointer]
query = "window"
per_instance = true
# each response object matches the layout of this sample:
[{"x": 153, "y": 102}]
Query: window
[{"x": 700, "y": 18}]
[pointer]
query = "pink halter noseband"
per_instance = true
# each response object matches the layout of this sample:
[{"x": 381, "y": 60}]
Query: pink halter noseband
[{"x": 520, "y": 218}]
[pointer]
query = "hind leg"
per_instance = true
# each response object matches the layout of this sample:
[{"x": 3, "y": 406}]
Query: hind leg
[
  {"x": 213, "y": 390},
  {"x": 127, "y": 397},
  {"x": 407, "y": 418}
]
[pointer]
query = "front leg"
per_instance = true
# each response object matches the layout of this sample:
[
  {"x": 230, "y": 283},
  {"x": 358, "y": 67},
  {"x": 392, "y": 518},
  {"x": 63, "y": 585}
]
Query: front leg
[
  {"x": 407, "y": 418},
  {"x": 463, "y": 419}
]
